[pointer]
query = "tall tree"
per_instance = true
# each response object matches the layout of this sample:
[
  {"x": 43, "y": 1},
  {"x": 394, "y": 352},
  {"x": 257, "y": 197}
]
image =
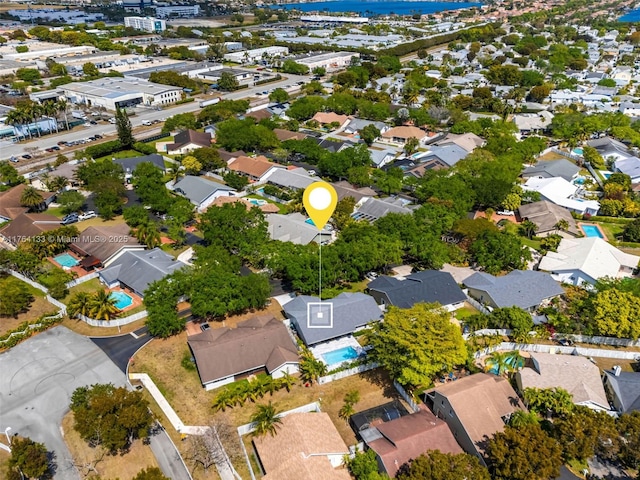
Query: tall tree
[
  {"x": 435, "y": 465},
  {"x": 266, "y": 419},
  {"x": 29, "y": 458},
  {"x": 123, "y": 126},
  {"x": 31, "y": 198},
  {"x": 417, "y": 344},
  {"x": 525, "y": 453},
  {"x": 103, "y": 306},
  {"x": 585, "y": 433}
]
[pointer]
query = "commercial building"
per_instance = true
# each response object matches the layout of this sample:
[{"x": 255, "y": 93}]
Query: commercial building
[
  {"x": 55, "y": 15},
  {"x": 250, "y": 56},
  {"x": 116, "y": 92},
  {"x": 329, "y": 61},
  {"x": 183, "y": 11},
  {"x": 146, "y": 24}
]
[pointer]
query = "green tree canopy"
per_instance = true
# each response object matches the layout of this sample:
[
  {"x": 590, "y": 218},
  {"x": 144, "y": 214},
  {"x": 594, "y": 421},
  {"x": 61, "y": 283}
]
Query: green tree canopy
[
  {"x": 28, "y": 457},
  {"x": 435, "y": 465},
  {"x": 123, "y": 125}
]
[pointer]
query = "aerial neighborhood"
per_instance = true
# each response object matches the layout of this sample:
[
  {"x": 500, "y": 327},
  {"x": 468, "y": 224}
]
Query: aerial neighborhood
[{"x": 173, "y": 307}]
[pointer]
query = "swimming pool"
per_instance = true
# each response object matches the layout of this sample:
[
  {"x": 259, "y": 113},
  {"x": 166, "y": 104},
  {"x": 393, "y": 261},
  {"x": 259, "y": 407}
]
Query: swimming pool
[
  {"x": 122, "y": 300},
  {"x": 578, "y": 151},
  {"x": 257, "y": 202},
  {"x": 340, "y": 355},
  {"x": 591, "y": 230},
  {"x": 579, "y": 181},
  {"x": 66, "y": 260}
]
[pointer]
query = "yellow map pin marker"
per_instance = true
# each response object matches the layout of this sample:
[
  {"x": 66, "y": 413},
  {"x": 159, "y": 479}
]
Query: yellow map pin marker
[{"x": 320, "y": 200}]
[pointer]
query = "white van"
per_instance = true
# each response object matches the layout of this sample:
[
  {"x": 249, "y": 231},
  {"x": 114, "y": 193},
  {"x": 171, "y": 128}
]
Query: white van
[{"x": 112, "y": 120}]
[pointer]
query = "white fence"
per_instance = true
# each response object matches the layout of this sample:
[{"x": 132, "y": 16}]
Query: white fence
[
  {"x": 116, "y": 322},
  {"x": 347, "y": 373},
  {"x": 617, "y": 342},
  {"x": 487, "y": 332},
  {"x": 29, "y": 281},
  {"x": 407, "y": 398},
  {"x": 82, "y": 279},
  {"x": 477, "y": 305},
  {"x": 309, "y": 407},
  {"x": 585, "y": 352}
]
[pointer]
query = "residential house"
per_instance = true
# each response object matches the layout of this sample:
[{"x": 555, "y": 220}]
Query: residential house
[
  {"x": 307, "y": 447},
  {"x": 296, "y": 228},
  {"x": 546, "y": 216},
  {"x": 629, "y": 166},
  {"x": 329, "y": 118},
  {"x": 401, "y": 440},
  {"x": 532, "y": 123},
  {"x": 137, "y": 269},
  {"x": 293, "y": 179},
  {"x": 468, "y": 141},
  {"x": 27, "y": 225},
  {"x": 630, "y": 109},
  {"x": 357, "y": 124},
  {"x": 263, "y": 205},
  {"x": 427, "y": 286},
  {"x": 10, "y": 206},
  {"x": 188, "y": 141},
  {"x": 438, "y": 157},
  {"x": 66, "y": 170},
  {"x": 102, "y": 245},
  {"x": 227, "y": 157},
  {"x": 330, "y": 145},
  {"x": 129, "y": 164},
  {"x": 573, "y": 373},
  {"x": 256, "y": 169},
  {"x": 284, "y": 135},
  {"x": 475, "y": 408},
  {"x": 526, "y": 289},
  {"x": 344, "y": 189},
  {"x": 257, "y": 115},
  {"x": 623, "y": 388},
  {"x": 562, "y": 193},
  {"x": 555, "y": 168},
  {"x": 373, "y": 208},
  {"x": 401, "y": 134},
  {"x": 349, "y": 312},
  {"x": 200, "y": 190},
  {"x": 259, "y": 344},
  {"x": 585, "y": 260},
  {"x": 610, "y": 148},
  {"x": 382, "y": 157}
]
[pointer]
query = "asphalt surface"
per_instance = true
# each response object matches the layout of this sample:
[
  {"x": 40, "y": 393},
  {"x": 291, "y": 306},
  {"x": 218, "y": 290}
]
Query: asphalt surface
[
  {"x": 9, "y": 149},
  {"x": 38, "y": 377},
  {"x": 120, "y": 348}
]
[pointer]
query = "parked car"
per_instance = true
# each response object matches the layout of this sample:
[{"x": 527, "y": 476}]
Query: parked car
[
  {"x": 87, "y": 215},
  {"x": 93, "y": 122},
  {"x": 146, "y": 123},
  {"x": 14, "y": 159},
  {"x": 62, "y": 143},
  {"x": 69, "y": 219},
  {"x": 97, "y": 136},
  {"x": 204, "y": 327},
  {"x": 27, "y": 157},
  {"x": 56, "y": 148}
]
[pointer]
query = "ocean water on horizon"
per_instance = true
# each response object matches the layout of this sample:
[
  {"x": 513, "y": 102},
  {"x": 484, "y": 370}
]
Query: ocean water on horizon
[
  {"x": 379, "y": 7},
  {"x": 632, "y": 16}
]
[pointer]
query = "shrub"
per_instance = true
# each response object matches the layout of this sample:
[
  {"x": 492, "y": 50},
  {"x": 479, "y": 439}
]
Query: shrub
[
  {"x": 146, "y": 148},
  {"x": 103, "y": 149}
]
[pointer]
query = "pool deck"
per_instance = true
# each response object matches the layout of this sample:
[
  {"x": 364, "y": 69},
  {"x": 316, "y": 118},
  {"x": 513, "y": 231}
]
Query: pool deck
[
  {"x": 580, "y": 225},
  {"x": 137, "y": 301},
  {"x": 333, "y": 345}
]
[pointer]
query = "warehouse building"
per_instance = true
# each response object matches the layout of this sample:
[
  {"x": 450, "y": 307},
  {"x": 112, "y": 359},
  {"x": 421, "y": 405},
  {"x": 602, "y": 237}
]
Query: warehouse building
[
  {"x": 116, "y": 92},
  {"x": 146, "y": 24},
  {"x": 252, "y": 56}
]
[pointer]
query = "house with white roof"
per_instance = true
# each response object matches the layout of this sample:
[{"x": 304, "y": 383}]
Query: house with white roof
[
  {"x": 630, "y": 109},
  {"x": 585, "y": 260},
  {"x": 629, "y": 166},
  {"x": 561, "y": 192}
]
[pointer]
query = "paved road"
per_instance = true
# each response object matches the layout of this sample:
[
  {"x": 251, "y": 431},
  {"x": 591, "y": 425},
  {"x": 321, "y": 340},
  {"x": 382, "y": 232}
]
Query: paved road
[
  {"x": 108, "y": 130},
  {"x": 168, "y": 457},
  {"x": 38, "y": 377},
  {"x": 120, "y": 348}
]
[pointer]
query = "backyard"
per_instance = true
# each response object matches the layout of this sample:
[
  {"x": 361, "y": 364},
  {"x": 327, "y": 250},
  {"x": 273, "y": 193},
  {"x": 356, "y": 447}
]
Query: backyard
[{"x": 40, "y": 306}]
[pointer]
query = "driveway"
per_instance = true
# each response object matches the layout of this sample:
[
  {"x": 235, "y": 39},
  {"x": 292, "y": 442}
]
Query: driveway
[
  {"x": 38, "y": 377},
  {"x": 120, "y": 348}
]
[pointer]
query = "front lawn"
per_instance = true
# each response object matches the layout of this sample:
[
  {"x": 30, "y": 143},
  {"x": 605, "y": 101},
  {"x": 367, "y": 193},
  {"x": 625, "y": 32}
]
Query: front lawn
[
  {"x": 531, "y": 242},
  {"x": 122, "y": 154},
  {"x": 98, "y": 222},
  {"x": 465, "y": 312}
]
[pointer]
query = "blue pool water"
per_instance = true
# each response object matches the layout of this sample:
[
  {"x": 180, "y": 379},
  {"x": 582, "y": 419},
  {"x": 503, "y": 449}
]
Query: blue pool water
[
  {"x": 632, "y": 16},
  {"x": 257, "y": 202},
  {"x": 578, "y": 151},
  {"x": 122, "y": 300},
  {"x": 606, "y": 176},
  {"x": 66, "y": 260},
  {"x": 579, "y": 181},
  {"x": 310, "y": 222},
  {"x": 371, "y": 8},
  {"x": 591, "y": 231},
  {"x": 340, "y": 355}
]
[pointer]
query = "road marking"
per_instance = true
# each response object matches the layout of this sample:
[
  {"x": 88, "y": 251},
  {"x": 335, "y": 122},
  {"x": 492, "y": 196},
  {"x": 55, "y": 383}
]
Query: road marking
[{"x": 134, "y": 335}]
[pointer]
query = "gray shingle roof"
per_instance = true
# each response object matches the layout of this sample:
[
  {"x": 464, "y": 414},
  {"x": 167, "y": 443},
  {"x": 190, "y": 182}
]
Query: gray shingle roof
[
  {"x": 130, "y": 164},
  {"x": 295, "y": 229},
  {"x": 350, "y": 311},
  {"x": 520, "y": 288},
  {"x": 138, "y": 269},
  {"x": 428, "y": 286},
  {"x": 627, "y": 388},
  {"x": 555, "y": 168},
  {"x": 449, "y": 154},
  {"x": 374, "y": 209},
  {"x": 298, "y": 178},
  {"x": 198, "y": 189}
]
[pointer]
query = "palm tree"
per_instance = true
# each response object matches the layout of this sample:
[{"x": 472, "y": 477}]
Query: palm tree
[
  {"x": 311, "y": 368},
  {"x": 497, "y": 363},
  {"x": 148, "y": 234},
  {"x": 81, "y": 303},
  {"x": 287, "y": 381},
  {"x": 528, "y": 228},
  {"x": 224, "y": 399},
  {"x": 266, "y": 419},
  {"x": 50, "y": 109},
  {"x": 16, "y": 118},
  {"x": 562, "y": 225},
  {"x": 62, "y": 106},
  {"x": 103, "y": 306},
  {"x": 515, "y": 360},
  {"x": 176, "y": 173},
  {"x": 346, "y": 411},
  {"x": 520, "y": 418},
  {"x": 35, "y": 112},
  {"x": 30, "y": 198}
]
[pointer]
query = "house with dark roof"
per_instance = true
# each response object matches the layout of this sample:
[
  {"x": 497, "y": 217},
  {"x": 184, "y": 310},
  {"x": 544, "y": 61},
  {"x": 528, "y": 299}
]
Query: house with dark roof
[
  {"x": 475, "y": 408},
  {"x": 129, "y": 164},
  {"x": 610, "y": 148},
  {"x": 102, "y": 245},
  {"x": 331, "y": 145},
  {"x": 350, "y": 311},
  {"x": 259, "y": 344},
  {"x": 229, "y": 156},
  {"x": 201, "y": 191},
  {"x": 446, "y": 155},
  {"x": 188, "y": 141},
  {"x": 27, "y": 225},
  {"x": 427, "y": 286},
  {"x": 546, "y": 216},
  {"x": 10, "y": 206},
  {"x": 136, "y": 270},
  {"x": 555, "y": 168},
  {"x": 526, "y": 289},
  {"x": 623, "y": 388},
  {"x": 296, "y": 228},
  {"x": 398, "y": 441}
]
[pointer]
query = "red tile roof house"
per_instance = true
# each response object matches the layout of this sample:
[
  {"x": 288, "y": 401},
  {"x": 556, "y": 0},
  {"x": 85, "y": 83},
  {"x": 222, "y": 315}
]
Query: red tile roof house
[
  {"x": 326, "y": 118},
  {"x": 257, "y": 169},
  {"x": 400, "y": 135},
  {"x": 188, "y": 141},
  {"x": 10, "y": 207},
  {"x": 260, "y": 344},
  {"x": 408, "y": 437}
]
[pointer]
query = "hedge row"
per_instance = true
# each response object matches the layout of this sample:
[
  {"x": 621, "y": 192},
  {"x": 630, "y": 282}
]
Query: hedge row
[
  {"x": 22, "y": 331},
  {"x": 103, "y": 149}
]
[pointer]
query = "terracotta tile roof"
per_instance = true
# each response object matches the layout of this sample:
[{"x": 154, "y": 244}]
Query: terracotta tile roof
[
  {"x": 259, "y": 114},
  {"x": 10, "y": 201},
  {"x": 404, "y": 132},
  {"x": 295, "y": 452},
  {"x": 329, "y": 117},
  {"x": 407, "y": 437},
  {"x": 29, "y": 225},
  {"x": 254, "y": 167}
]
